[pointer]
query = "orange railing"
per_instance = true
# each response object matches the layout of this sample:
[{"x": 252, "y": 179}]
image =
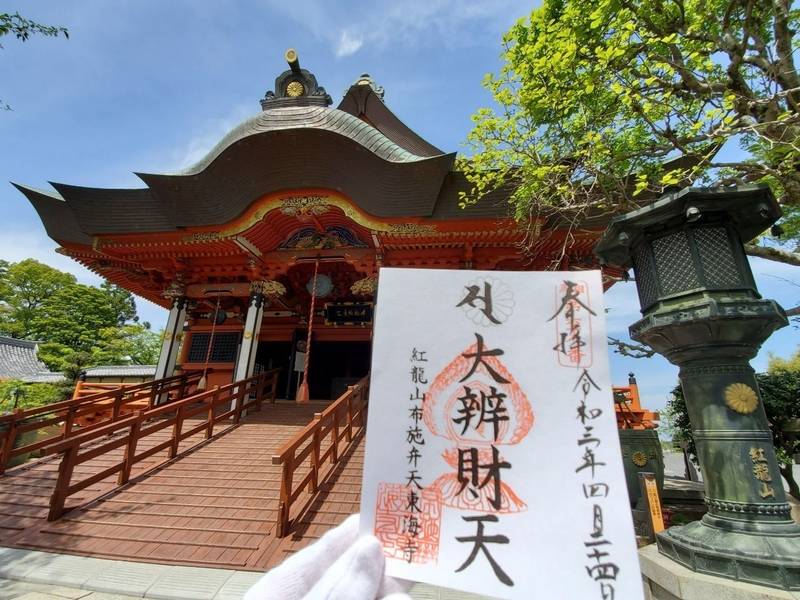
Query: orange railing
[
  {"x": 128, "y": 431},
  {"x": 61, "y": 420},
  {"x": 334, "y": 425},
  {"x": 89, "y": 388}
]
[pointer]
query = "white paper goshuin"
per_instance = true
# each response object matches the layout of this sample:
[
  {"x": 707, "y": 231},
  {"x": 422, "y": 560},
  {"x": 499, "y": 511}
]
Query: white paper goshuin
[{"x": 492, "y": 461}]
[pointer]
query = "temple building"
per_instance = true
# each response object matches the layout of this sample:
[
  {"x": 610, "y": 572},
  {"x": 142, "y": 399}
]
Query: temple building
[
  {"x": 19, "y": 360},
  {"x": 301, "y": 204},
  {"x": 275, "y": 239}
]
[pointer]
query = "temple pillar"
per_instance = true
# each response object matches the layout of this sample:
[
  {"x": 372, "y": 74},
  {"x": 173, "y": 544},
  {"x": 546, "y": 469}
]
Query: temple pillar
[
  {"x": 252, "y": 325},
  {"x": 259, "y": 293},
  {"x": 172, "y": 337}
]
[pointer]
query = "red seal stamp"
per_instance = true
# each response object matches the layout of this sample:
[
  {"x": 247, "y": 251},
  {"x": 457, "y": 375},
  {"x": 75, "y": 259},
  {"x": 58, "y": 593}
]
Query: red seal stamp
[{"x": 408, "y": 522}]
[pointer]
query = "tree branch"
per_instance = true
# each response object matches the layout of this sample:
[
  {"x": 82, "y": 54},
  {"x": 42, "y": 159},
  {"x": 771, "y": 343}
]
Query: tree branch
[
  {"x": 631, "y": 350},
  {"x": 783, "y": 256},
  {"x": 787, "y": 74}
]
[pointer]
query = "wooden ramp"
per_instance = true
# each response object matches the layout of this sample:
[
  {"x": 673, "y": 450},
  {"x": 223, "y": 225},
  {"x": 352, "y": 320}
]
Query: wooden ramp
[
  {"x": 25, "y": 490},
  {"x": 214, "y": 506},
  {"x": 338, "y": 498}
]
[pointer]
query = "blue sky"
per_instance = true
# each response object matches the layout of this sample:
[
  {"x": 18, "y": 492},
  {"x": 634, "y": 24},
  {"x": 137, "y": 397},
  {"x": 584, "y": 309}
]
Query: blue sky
[{"x": 150, "y": 86}]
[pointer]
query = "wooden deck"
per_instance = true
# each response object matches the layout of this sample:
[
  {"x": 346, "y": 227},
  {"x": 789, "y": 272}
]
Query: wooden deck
[{"x": 214, "y": 506}]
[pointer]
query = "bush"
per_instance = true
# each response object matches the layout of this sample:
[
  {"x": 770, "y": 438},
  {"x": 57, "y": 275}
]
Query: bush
[{"x": 29, "y": 395}]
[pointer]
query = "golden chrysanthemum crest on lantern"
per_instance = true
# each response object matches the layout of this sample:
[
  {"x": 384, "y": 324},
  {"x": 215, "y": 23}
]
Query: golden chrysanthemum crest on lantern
[
  {"x": 365, "y": 286},
  {"x": 741, "y": 398},
  {"x": 268, "y": 288}
]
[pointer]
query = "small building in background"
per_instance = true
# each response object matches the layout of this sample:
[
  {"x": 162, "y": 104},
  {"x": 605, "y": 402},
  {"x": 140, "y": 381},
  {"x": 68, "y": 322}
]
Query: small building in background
[
  {"x": 19, "y": 360},
  {"x": 119, "y": 374}
]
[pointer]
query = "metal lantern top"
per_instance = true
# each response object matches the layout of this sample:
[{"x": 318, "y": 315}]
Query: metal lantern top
[{"x": 690, "y": 242}]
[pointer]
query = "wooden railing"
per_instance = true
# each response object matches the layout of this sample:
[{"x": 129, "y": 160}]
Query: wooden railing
[
  {"x": 127, "y": 432},
  {"x": 340, "y": 422},
  {"x": 89, "y": 388},
  {"x": 59, "y": 421}
]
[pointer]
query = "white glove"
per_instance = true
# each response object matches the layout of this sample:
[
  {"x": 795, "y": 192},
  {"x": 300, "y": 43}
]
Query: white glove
[{"x": 339, "y": 566}]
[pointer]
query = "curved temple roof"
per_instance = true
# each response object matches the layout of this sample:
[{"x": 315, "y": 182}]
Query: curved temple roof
[
  {"x": 309, "y": 117},
  {"x": 360, "y": 149},
  {"x": 362, "y": 101}
]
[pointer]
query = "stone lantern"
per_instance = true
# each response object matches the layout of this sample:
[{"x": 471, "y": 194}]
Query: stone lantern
[{"x": 702, "y": 311}]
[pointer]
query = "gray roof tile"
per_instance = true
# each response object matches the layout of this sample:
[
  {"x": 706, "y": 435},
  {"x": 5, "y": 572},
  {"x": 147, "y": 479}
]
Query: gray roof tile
[
  {"x": 122, "y": 371},
  {"x": 18, "y": 361},
  {"x": 45, "y": 377}
]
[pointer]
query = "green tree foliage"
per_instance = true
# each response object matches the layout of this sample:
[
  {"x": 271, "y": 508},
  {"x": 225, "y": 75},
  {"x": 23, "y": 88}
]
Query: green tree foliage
[
  {"x": 79, "y": 325},
  {"x": 73, "y": 316},
  {"x": 22, "y": 28},
  {"x": 121, "y": 301},
  {"x": 24, "y": 287},
  {"x": 780, "y": 390},
  {"x": 603, "y": 103},
  {"x": 27, "y": 395},
  {"x": 4, "y": 264},
  {"x": 133, "y": 344},
  {"x": 60, "y": 358},
  {"x": 777, "y": 364},
  {"x": 4, "y": 306},
  {"x": 73, "y": 365},
  {"x": 12, "y": 393}
]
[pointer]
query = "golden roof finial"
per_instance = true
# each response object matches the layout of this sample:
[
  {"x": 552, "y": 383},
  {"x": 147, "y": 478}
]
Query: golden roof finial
[{"x": 291, "y": 58}]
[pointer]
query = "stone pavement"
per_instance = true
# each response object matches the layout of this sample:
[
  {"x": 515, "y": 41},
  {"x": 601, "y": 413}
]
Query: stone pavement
[
  {"x": 21, "y": 590},
  {"x": 34, "y": 575}
]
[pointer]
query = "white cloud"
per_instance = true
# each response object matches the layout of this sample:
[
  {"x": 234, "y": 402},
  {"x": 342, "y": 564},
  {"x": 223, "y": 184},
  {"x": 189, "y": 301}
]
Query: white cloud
[
  {"x": 206, "y": 136},
  {"x": 349, "y": 43},
  {"x": 410, "y": 23},
  {"x": 456, "y": 24}
]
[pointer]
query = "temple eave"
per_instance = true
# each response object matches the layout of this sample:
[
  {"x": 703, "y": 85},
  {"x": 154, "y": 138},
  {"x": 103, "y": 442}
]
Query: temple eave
[{"x": 297, "y": 189}]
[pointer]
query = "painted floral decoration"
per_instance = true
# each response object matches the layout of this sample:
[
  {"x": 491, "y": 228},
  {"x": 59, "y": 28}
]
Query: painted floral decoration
[
  {"x": 365, "y": 286},
  {"x": 268, "y": 288}
]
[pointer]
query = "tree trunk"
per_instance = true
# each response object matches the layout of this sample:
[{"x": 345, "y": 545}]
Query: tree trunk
[{"x": 788, "y": 475}]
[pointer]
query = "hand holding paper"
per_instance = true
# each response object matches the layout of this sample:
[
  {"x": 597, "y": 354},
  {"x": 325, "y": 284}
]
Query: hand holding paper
[{"x": 339, "y": 566}]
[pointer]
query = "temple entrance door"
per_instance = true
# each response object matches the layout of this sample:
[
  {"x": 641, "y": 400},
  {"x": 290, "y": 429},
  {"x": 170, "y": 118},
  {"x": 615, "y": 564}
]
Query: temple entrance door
[
  {"x": 335, "y": 365},
  {"x": 276, "y": 355}
]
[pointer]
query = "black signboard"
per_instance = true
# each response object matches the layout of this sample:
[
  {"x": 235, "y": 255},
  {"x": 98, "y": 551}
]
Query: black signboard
[{"x": 348, "y": 313}]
